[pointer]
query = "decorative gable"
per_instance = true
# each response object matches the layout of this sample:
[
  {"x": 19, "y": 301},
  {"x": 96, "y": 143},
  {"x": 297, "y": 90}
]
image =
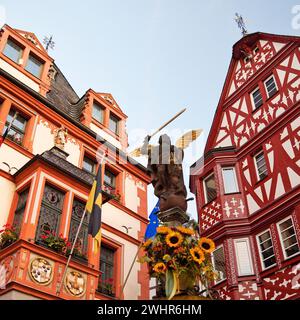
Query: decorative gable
[
  {"x": 251, "y": 59},
  {"x": 110, "y": 99},
  {"x": 236, "y": 120},
  {"x": 31, "y": 37}
]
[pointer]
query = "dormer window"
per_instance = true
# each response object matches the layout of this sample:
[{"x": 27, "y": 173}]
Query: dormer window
[
  {"x": 13, "y": 51},
  {"x": 98, "y": 112},
  {"x": 34, "y": 66},
  {"x": 114, "y": 124}
]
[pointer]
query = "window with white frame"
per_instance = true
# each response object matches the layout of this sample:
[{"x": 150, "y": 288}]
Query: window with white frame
[
  {"x": 229, "y": 179},
  {"x": 261, "y": 165},
  {"x": 218, "y": 260},
  {"x": 243, "y": 257},
  {"x": 288, "y": 237},
  {"x": 210, "y": 189},
  {"x": 257, "y": 98},
  {"x": 266, "y": 249},
  {"x": 271, "y": 86}
]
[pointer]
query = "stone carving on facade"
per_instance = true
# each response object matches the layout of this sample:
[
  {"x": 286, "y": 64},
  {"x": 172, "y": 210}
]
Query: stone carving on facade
[
  {"x": 75, "y": 283},
  {"x": 52, "y": 72},
  {"x": 41, "y": 271},
  {"x": 60, "y": 137},
  {"x": 6, "y": 270}
]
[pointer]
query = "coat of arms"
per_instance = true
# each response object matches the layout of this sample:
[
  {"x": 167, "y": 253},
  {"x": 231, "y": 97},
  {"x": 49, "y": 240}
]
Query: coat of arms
[
  {"x": 41, "y": 271},
  {"x": 75, "y": 283}
]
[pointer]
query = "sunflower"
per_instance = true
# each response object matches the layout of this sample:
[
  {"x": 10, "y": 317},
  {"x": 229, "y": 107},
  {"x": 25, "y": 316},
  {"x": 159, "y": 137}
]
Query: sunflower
[
  {"x": 186, "y": 231},
  {"x": 174, "y": 239},
  {"x": 147, "y": 243},
  {"x": 197, "y": 254},
  {"x": 207, "y": 245},
  {"x": 160, "y": 267},
  {"x": 163, "y": 230}
]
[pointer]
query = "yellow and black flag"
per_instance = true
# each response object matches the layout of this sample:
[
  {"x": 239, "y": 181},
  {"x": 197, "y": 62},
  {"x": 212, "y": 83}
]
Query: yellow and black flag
[{"x": 94, "y": 208}]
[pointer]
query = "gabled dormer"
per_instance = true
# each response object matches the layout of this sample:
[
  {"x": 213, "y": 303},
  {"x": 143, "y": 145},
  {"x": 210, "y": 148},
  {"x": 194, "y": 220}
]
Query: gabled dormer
[
  {"x": 102, "y": 114},
  {"x": 23, "y": 57}
]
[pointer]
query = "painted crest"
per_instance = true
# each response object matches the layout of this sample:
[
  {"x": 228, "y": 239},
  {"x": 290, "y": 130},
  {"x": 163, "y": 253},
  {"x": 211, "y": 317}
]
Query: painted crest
[
  {"x": 41, "y": 271},
  {"x": 75, "y": 283}
]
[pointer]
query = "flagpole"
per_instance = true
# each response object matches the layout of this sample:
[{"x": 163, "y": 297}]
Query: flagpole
[
  {"x": 73, "y": 245},
  {"x": 71, "y": 253},
  {"x": 132, "y": 264}
]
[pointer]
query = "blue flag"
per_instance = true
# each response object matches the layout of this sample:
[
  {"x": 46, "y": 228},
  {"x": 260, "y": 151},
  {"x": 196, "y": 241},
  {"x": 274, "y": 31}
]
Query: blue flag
[{"x": 153, "y": 223}]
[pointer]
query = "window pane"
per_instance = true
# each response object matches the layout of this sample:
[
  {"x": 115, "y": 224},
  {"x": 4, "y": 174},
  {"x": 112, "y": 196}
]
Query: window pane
[
  {"x": 288, "y": 232},
  {"x": 265, "y": 245},
  {"x": 219, "y": 262},
  {"x": 270, "y": 262},
  {"x": 82, "y": 241},
  {"x": 267, "y": 253},
  {"x": 210, "y": 188},
  {"x": 13, "y": 51},
  {"x": 229, "y": 177},
  {"x": 257, "y": 98},
  {"x": 19, "y": 213},
  {"x": 114, "y": 124},
  {"x": 292, "y": 250},
  {"x": 261, "y": 166},
  {"x": 98, "y": 112},
  {"x": 89, "y": 165},
  {"x": 17, "y": 129},
  {"x": 290, "y": 241},
  {"x": 106, "y": 281},
  {"x": 50, "y": 212},
  {"x": 34, "y": 66},
  {"x": 266, "y": 249},
  {"x": 271, "y": 87},
  {"x": 288, "y": 237},
  {"x": 265, "y": 236},
  {"x": 110, "y": 179},
  {"x": 285, "y": 225}
]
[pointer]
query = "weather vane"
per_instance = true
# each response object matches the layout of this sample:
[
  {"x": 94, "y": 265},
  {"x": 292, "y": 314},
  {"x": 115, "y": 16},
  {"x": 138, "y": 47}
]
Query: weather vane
[
  {"x": 241, "y": 24},
  {"x": 49, "y": 43}
]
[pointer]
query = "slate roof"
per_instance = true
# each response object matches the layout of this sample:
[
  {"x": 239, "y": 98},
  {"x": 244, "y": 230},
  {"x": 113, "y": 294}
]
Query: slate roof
[{"x": 64, "y": 97}]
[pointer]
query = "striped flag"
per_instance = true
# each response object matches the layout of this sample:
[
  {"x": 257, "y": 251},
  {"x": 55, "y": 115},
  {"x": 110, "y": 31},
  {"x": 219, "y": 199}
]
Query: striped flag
[{"x": 94, "y": 208}]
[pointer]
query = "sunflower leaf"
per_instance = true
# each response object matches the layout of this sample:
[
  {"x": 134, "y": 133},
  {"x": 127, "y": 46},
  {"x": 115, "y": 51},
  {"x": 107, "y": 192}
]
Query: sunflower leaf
[{"x": 171, "y": 284}]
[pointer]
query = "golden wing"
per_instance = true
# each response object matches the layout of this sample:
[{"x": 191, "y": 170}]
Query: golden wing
[
  {"x": 184, "y": 141},
  {"x": 138, "y": 151}
]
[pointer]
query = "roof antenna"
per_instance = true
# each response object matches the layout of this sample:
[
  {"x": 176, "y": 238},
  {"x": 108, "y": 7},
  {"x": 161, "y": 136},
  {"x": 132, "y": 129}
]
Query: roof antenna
[
  {"x": 49, "y": 43},
  {"x": 241, "y": 24}
]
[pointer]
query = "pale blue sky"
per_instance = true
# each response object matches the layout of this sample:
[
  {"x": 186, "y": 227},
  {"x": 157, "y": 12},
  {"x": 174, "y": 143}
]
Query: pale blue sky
[{"x": 154, "y": 56}]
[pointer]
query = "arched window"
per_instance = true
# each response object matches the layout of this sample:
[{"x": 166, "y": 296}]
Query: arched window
[
  {"x": 82, "y": 241},
  {"x": 51, "y": 210}
]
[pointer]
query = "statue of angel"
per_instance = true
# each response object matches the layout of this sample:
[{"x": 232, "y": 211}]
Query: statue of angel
[{"x": 165, "y": 168}]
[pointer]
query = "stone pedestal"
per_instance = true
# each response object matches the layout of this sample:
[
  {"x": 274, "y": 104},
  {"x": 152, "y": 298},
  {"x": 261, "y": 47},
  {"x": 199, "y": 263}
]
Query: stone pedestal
[{"x": 173, "y": 217}]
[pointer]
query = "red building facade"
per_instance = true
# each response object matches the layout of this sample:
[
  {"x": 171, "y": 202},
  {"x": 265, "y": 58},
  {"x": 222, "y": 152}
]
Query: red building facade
[{"x": 247, "y": 184}]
